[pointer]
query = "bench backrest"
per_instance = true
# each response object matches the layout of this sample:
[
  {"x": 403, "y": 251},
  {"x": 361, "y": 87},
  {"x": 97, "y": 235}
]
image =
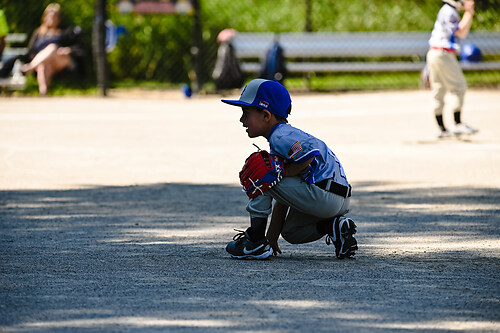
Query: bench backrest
[
  {"x": 15, "y": 38},
  {"x": 361, "y": 44}
]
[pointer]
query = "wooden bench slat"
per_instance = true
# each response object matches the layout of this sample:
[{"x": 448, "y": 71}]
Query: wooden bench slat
[
  {"x": 16, "y": 38},
  {"x": 14, "y": 51},
  {"x": 486, "y": 65},
  {"x": 355, "y": 67},
  {"x": 355, "y": 44},
  {"x": 329, "y": 67},
  {"x": 18, "y": 83},
  {"x": 351, "y": 44}
]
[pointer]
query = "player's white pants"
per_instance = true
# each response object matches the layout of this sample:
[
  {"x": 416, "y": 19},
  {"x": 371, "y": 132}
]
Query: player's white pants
[
  {"x": 308, "y": 205},
  {"x": 445, "y": 76}
]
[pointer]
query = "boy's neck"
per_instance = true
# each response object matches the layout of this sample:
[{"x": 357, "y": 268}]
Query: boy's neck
[{"x": 273, "y": 127}]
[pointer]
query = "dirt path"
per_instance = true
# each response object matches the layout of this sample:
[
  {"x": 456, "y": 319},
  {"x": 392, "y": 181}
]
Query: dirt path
[{"x": 114, "y": 214}]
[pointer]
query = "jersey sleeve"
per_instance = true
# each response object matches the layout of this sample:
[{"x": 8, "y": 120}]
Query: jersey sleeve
[{"x": 297, "y": 150}]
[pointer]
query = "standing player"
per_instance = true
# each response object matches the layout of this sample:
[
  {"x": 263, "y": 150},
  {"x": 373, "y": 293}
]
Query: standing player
[
  {"x": 445, "y": 74},
  {"x": 311, "y": 198}
]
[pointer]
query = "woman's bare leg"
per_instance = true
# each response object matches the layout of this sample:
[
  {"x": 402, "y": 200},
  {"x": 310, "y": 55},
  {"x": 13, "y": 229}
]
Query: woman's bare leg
[
  {"x": 43, "y": 80},
  {"x": 39, "y": 58},
  {"x": 51, "y": 66}
]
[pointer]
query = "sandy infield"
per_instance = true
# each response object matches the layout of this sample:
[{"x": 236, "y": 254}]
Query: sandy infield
[{"x": 114, "y": 215}]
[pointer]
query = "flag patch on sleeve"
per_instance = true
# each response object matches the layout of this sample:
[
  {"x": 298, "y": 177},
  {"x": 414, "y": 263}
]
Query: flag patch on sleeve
[{"x": 295, "y": 149}]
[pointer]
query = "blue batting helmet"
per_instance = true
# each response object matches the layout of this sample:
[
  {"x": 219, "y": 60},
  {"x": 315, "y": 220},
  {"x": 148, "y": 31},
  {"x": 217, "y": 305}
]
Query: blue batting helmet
[{"x": 470, "y": 53}]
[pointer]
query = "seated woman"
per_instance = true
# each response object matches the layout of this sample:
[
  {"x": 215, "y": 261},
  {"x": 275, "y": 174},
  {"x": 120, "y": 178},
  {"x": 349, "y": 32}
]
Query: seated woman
[{"x": 49, "y": 49}]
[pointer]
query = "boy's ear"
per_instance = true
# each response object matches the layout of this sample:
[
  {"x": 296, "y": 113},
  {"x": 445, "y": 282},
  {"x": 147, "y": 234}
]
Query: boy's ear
[{"x": 267, "y": 114}]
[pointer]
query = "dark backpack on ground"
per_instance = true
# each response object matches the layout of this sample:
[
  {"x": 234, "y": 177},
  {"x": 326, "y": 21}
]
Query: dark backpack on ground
[
  {"x": 227, "y": 72},
  {"x": 274, "y": 67}
]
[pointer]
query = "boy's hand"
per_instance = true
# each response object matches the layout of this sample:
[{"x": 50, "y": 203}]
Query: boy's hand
[
  {"x": 274, "y": 246},
  {"x": 469, "y": 6},
  {"x": 276, "y": 225},
  {"x": 63, "y": 50}
]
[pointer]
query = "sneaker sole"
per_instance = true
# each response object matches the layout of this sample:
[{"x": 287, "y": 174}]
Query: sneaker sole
[
  {"x": 348, "y": 243},
  {"x": 463, "y": 134},
  {"x": 261, "y": 256}
]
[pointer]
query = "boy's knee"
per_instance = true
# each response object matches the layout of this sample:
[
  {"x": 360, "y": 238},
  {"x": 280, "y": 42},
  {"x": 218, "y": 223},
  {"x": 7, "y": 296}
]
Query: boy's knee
[
  {"x": 290, "y": 237},
  {"x": 297, "y": 234},
  {"x": 438, "y": 109},
  {"x": 457, "y": 99},
  {"x": 260, "y": 206},
  {"x": 289, "y": 234}
]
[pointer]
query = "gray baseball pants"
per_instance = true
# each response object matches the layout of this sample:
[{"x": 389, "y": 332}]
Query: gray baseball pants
[{"x": 308, "y": 204}]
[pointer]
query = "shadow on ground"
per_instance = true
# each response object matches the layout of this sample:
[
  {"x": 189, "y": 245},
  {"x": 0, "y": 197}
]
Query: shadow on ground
[{"x": 151, "y": 258}]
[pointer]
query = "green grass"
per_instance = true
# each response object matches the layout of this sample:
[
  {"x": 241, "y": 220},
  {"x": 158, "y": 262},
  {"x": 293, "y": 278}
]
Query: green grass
[
  {"x": 318, "y": 83},
  {"x": 148, "y": 85},
  {"x": 60, "y": 87},
  {"x": 381, "y": 81},
  {"x": 486, "y": 79}
]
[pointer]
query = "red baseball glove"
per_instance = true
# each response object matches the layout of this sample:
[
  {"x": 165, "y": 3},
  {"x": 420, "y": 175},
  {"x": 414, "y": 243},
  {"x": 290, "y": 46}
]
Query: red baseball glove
[{"x": 261, "y": 172}]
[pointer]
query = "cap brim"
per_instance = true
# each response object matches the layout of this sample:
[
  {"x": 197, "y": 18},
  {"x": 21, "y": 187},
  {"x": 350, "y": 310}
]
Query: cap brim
[{"x": 235, "y": 102}]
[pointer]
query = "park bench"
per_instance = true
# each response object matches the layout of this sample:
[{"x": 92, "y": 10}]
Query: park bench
[
  {"x": 16, "y": 81},
  {"x": 325, "y": 52}
]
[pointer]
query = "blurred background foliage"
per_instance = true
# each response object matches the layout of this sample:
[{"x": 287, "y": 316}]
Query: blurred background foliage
[{"x": 156, "y": 51}]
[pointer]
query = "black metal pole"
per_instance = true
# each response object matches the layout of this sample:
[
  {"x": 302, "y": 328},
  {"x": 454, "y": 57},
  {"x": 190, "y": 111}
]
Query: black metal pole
[
  {"x": 197, "y": 49},
  {"x": 308, "y": 27},
  {"x": 99, "y": 46}
]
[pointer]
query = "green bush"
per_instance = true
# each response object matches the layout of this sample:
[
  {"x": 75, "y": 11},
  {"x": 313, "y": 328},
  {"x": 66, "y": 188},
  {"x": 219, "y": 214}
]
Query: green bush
[{"x": 158, "y": 47}]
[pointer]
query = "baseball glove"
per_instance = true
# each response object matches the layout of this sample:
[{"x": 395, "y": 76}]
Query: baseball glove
[{"x": 261, "y": 172}]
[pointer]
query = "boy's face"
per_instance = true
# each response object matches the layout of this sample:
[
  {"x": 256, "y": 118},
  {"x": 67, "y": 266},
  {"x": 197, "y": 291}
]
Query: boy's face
[{"x": 255, "y": 120}]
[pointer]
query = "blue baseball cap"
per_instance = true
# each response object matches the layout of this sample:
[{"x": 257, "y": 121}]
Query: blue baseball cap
[{"x": 265, "y": 94}]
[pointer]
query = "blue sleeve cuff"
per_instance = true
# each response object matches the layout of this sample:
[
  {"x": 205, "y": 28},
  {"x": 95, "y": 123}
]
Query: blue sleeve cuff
[{"x": 311, "y": 154}]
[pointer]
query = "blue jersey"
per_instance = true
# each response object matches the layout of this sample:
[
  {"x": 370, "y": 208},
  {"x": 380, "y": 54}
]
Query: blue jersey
[{"x": 297, "y": 146}]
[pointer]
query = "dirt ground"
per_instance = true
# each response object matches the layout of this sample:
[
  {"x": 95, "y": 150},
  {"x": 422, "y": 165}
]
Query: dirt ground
[{"x": 114, "y": 215}]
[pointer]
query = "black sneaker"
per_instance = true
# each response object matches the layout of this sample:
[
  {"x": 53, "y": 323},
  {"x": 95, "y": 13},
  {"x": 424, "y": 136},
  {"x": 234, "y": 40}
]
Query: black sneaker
[
  {"x": 345, "y": 243},
  {"x": 243, "y": 248}
]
